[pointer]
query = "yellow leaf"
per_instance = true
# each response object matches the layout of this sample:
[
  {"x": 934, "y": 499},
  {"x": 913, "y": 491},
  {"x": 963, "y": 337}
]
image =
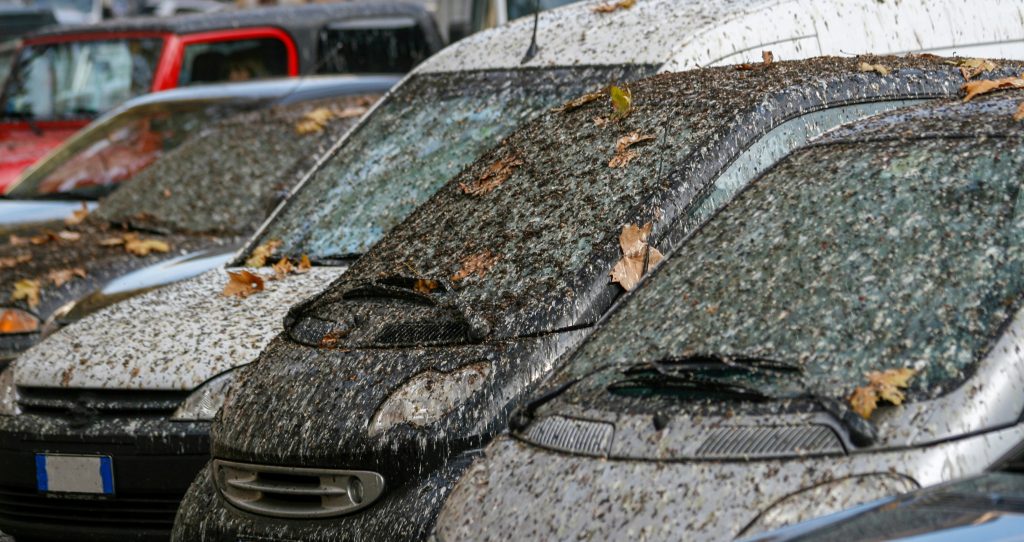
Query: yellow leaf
[
  {"x": 304, "y": 264},
  {"x": 863, "y": 401},
  {"x": 27, "y": 289},
  {"x": 476, "y": 264},
  {"x": 622, "y": 102},
  {"x": 984, "y": 86},
  {"x": 623, "y": 154},
  {"x": 609, "y": 7},
  {"x": 242, "y": 284},
  {"x": 143, "y": 247},
  {"x": 14, "y": 261},
  {"x": 314, "y": 121},
  {"x": 578, "y": 102},
  {"x": 260, "y": 254},
  {"x": 61, "y": 276},
  {"x": 884, "y": 385},
  {"x": 638, "y": 256},
  {"x": 78, "y": 216},
  {"x": 877, "y": 68},
  {"x": 495, "y": 175}
]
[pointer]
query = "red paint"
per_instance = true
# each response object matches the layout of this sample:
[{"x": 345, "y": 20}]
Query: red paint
[{"x": 20, "y": 146}]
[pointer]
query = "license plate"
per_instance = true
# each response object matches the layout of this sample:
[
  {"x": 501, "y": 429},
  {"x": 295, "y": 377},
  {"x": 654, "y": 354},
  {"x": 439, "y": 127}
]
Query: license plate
[{"x": 61, "y": 473}]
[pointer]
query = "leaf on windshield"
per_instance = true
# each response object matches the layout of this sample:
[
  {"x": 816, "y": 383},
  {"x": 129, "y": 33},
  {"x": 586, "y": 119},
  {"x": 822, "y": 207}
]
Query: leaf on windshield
[
  {"x": 877, "y": 68},
  {"x": 425, "y": 286},
  {"x": 59, "y": 277},
  {"x": 984, "y": 86},
  {"x": 1019, "y": 114},
  {"x": 27, "y": 289},
  {"x": 260, "y": 254},
  {"x": 78, "y": 216},
  {"x": 242, "y": 284},
  {"x": 282, "y": 269},
  {"x": 622, "y": 102},
  {"x": 885, "y": 385},
  {"x": 767, "y": 57},
  {"x": 477, "y": 264},
  {"x": 578, "y": 102},
  {"x": 316, "y": 120},
  {"x": 973, "y": 67},
  {"x": 637, "y": 256},
  {"x": 143, "y": 247},
  {"x": 14, "y": 261},
  {"x": 609, "y": 7},
  {"x": 623, "y": 154},
  {"x": 495, "y": 175}
]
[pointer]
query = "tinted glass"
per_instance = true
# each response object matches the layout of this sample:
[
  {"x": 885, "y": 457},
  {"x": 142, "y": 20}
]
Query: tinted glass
[
  {"x": 236, "y": 60},
  {"x": 845, "y": 259},
  {"x": 79, "y": 79},
  {"x": 396, "y": 46}
]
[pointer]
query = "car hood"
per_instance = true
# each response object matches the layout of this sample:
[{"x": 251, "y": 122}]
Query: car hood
[{"x": 173, "y": 338}]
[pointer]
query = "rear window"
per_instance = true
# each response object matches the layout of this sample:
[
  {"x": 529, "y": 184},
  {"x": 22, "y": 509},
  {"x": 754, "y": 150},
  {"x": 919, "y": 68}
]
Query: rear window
[
  {"x": 236, "y": 60},
  {"x": 392, "y": 45}
]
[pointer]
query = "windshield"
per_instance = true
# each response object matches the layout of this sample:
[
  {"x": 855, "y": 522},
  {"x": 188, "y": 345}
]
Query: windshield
[
  {"x": 424, "y": 134},
  {"x": 228, "y": 178},
  {"x": 845, "y": 258},
  {"x": 78, "y": 79},
  {"x": 97, "y": 159}
]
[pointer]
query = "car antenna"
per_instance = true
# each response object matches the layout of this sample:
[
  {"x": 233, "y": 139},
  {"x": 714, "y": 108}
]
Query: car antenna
[{"x": 532, "y": 50}]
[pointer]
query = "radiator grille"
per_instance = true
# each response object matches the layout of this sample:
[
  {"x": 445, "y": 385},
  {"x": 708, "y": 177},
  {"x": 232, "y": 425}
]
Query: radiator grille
[
  {"x": 572, "y": 435},
  {"x": 739, "y": 442},
  {"x": 60, "y": 401},
  {"x": 128, "y": 513}
]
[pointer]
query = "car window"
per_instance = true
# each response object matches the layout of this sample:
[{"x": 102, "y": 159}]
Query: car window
[
  {"x": 233, "y": 60},
  {"x": 386, "y": 45},
  {"x": 421, "y": 136},
  {"x": 845, "y": 258},
  {"x": 79, "y": 78}
]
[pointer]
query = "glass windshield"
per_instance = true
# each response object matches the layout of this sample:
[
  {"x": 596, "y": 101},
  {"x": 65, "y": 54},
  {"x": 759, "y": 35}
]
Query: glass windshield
[
  {"x": 424, "y": 134},
  {"x": 228, "y": 178},
  {"x": 845, "y": 258},
  {"x": 98, "y": 159},
  {"x": 79, "y": 78}
]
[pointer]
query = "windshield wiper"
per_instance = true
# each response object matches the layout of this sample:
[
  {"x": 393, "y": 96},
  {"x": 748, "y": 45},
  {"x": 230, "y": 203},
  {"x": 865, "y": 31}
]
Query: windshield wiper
[
  {"x": 714, "y": 363},
  {"x": 652, "y": 379},
  {"x": 330, "y": 261}
]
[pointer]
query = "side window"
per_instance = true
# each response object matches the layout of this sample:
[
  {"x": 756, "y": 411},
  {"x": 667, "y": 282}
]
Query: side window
[
  {"x": 239, "y": 60},
  {"x": 393, "y": 45}
]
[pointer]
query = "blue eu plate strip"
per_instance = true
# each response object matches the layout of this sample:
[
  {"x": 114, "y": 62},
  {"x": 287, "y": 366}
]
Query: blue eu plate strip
[
  {"x": 107, "y": 475},
  {"x": 41, "y": 482}
]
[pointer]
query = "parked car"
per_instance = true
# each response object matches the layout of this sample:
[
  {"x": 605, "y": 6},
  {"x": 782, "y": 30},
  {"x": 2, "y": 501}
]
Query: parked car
[
  {"x": 383, "y": 387},
  {"x": 65, "y": 76},
  {"x": 121, "y": 144},
  {"x": 199, "y": 201},
  {"x": 719, "y": 400}
]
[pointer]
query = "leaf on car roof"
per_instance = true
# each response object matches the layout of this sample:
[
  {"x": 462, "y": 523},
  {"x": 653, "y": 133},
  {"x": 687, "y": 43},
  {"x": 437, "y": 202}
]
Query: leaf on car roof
[
  {"x": 623, "y": 153},
  {"x": 622, "y": 102},
  {"x": 638, "y": 256},
  {"x": 14, "y": 261},
  {"x": 78, "y": 216},
  {"x": 260, "y": 254},
  {"x": 476, "y": 264},
  {"x": 973, "y": 67},
  {"x": 316, "y": 120},
  {"x": 767, "y": 57},
  {"x": 984, "y": 86},
  {"x": 1019, "y": 114},
  {"x": 59, "y": 277},
  {"x": 608, "y": 7},
  {"x": 143, "y": 247},
  {"x": 27, "y": 289},
  {"x": 578, "y": 102},
  {"x": 493, "y": 177},
  {"x": 882, "y": 385},
  {"x": 242, "y": 284},
  {"x": 877, "y": 68}
]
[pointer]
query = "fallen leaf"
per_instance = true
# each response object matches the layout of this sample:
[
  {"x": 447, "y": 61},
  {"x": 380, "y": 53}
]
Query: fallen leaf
[
  {"x": 622, "y": 102},
  {"x": 973, "y": 67},
  {"x": 282, "y": 268},
  {"x": 496, "y": 174},
  {"x": 68, "y": 235},
  {"x": 877, "y": 68},
  {"x": 623, "y": 154},
  {"x": 1019, "y": 115},
  {"x": 111, "y": 242},
  {"x": 242, "y": 284},
  {"x": 314, "y": 121},
  {"x": 885, "y": 385},
  {"x": 609, "y": 7},
  {"x": 600, "y": 121},
  {"x": 143, "y": 247},
  {"x": 27, "y": 289},
  {"x": 14, "y": 261},
  {"x": 477, "y": 264},
  {"x": 78, "y": 216},
  {"x": 304, "y": 264},
  {"x": 425, "y": 286},
  {"x": 260, "y": 254},
  {"x": 638, "y": 256},
  {"x": 578, "y": 102},
  {"x": 61, "y": 276},
  {"x": 984, "y": 86},
  {"x": 15, "y": 240},
  {"x": 767, "y": 57},
  {"x": 42, "y": 238}
]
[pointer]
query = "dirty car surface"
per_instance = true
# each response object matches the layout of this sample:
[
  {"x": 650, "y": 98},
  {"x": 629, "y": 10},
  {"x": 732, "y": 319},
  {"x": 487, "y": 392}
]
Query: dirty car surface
[
  {"x": 417, "y": 354},
  {"x": 713, "y": 403}
]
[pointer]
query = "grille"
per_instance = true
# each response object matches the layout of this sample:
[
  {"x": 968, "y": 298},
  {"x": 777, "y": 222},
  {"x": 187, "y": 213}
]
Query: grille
[
  {"x": 128, "y": 513},
  {"x": 59, "y": 401},
  {"x": 422, "y": 333},
  {"x": 289, "y": 492},
  {"x": 770, "y": 441},
  {"x": 572, "y": 435}
]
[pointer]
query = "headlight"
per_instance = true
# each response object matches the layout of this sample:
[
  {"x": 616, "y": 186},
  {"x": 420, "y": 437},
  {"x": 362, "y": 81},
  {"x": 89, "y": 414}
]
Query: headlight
[
  {"x": 8, "y": 393},
  {"x": 17, "y": 321},
  {"x": 428, "y": 396},
  {"x": 204, "y": 403},
  {"x": 828, "y": 498}
]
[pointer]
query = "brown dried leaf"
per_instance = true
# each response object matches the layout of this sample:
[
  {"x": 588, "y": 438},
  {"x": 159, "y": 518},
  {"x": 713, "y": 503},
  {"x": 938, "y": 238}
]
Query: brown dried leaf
[
  {"x": 304, "y": 264},
  {"x": 42, "y": 238},
  {"x": 143, "y": 247},
  {"x": 68, "y": 235},
  {"x": 578, "y": 102},
  {"x": 600, "y": 122},
  {"x": 767, "y": 57},
  {"x": 609, "y": 7},
  {"x": 495, "y": 175},
  {"x": 877, "y": 68},
  {"x": 984, "y": 86},
  {"x": 242, "y": 284},
  {"x": 973, "y": 67},
  {"x": 282, "y": 269},
  {"x": 478, "y": 264},
  {"x": 27, "y": 289},
  {"x": 314, "y": 121},
  {"x": 15, "y": 240},
  {"x": 864, "y": 401},
  {"x": 260, "y": 254},
  {"x": 425, "y": 286},
  {"x": 59, "y": 277},
  {"x": 78, "y": 216},
  {"x": 111, "y": 242},
  {"x": 623, "y": 154},
  {"x": 638, "y": 256},
  {"x": 14, "y": 261},
  {"x": 884, "y": 385},
  {"x": 1019, "y": 115}
]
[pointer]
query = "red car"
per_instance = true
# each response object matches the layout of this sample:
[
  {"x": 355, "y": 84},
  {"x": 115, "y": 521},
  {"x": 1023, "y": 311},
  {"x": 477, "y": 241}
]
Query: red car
[{"x": 63, "y": 77}]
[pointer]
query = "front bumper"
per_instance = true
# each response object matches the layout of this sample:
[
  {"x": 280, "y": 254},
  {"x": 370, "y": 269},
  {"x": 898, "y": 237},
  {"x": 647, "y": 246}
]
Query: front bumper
[
  {"x": 405, "y": 511},
  {"x": 153, "y": 461}
]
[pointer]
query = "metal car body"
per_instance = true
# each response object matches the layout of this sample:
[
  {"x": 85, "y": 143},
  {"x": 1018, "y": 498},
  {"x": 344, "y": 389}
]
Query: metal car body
[
  {"x": 201, "y": 199},
  {"x": 355, "y": 422},
  {"x": 65, "y": 76},
  {"x": 712, "y": 403}
]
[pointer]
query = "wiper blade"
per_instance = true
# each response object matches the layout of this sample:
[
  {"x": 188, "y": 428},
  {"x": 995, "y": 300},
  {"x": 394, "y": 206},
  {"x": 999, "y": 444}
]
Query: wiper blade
[
  {"x": 653, "y": 379},
  {"x": 721, "y": 363},
  {"x": 329, "y": 261}
]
